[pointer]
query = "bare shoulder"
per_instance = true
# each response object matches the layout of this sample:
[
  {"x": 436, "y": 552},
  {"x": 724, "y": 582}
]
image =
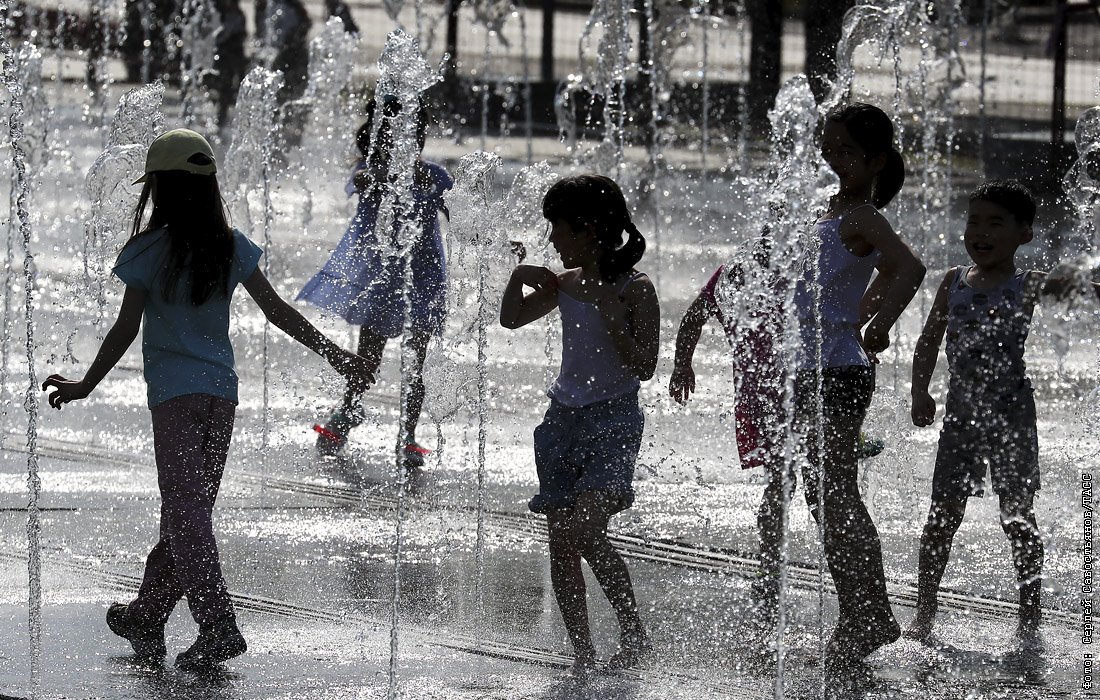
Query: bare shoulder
[
  {"x": 567, "y": 280},
  {"x": 866, "y": 218},
  {"x": 639, "y": 289}
]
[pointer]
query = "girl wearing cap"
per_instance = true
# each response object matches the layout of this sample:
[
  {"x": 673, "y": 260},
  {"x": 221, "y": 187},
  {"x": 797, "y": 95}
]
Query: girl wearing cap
[
  {"x": 367, "y": 288},
  {"x": 180, "y": 267}
]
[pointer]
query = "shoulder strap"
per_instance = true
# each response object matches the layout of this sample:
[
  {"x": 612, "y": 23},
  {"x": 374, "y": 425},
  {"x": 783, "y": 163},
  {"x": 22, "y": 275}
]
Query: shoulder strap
[
  {"x": 845, "y": 215},
  {"x": 636, "y": 275}
]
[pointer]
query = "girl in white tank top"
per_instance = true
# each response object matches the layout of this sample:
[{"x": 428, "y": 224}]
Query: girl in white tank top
[
  {"x": 588, "y": 442},
  {"x": 835, "y": 381}
]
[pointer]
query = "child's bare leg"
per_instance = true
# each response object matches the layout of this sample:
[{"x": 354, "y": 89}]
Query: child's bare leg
[
  {"x": 590, "y": 518},
  {"x": 568, "y": 581},
  {"x": 852, "y": 546},
  {"x": 370, "y": 347},
  {"x": 1018, "y": 522},
  {"x": 944, "y": 518},
  {"x": 769, "y": 525}
]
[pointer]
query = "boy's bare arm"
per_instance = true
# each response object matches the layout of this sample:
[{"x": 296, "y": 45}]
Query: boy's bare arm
[{"x": 927, "y": 352}]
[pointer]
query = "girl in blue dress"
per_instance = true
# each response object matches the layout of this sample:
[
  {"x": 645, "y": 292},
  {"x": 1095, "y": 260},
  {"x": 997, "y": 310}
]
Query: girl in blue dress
[{"x": 365, "y": 284}]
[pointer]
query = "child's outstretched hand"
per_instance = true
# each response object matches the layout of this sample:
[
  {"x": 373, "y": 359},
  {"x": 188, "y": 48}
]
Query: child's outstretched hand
[
  {"x": 66, "y": 390},
  {"x": 355, "y": 369},
  {"x": 682, "y": 384},
  {"x": 924, "y": 409}
]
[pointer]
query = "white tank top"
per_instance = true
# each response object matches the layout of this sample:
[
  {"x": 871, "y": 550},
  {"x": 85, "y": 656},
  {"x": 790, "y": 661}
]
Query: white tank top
[
  {"x": 591, "y": 368},
  {"x": 843, "y": 278}
]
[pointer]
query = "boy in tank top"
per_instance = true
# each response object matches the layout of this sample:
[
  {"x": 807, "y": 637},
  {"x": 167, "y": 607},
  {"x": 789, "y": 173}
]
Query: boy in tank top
[{"x": 989, "y": 423}]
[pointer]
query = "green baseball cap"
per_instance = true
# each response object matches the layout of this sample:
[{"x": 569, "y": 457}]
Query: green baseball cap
[{"x": 179, "y": 149}]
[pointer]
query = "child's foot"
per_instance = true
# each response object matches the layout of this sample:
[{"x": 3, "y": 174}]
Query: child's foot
[
  {"x": 147, "y": 640},
  {"x": 869, "y": 447},
  {"x": 215, "y": 644},
  {"x": 333, "y": 435},
  {"x": 631, "y": 651},
  {"x": 920, "y": 629},
  {"x": 414, "y": 455},
  {"x": 853, "y": 642},
  {"x": 765, "y": 602}
]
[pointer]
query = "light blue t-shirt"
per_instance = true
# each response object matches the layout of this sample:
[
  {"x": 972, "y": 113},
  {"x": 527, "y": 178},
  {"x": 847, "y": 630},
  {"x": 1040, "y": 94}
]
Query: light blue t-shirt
[{"x": 185, "y": 347}]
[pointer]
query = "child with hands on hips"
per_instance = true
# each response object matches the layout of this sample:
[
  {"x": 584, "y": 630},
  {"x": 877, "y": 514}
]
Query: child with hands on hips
[
  {"x": 985, "y": 311},
  {"x": 835, "y": 299},
  {"x": 587, "y": 445},
  {"x": 180, "y": 268}
]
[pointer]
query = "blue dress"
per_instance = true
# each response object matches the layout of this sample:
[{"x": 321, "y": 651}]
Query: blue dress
[{"x": 365, "y": 286}]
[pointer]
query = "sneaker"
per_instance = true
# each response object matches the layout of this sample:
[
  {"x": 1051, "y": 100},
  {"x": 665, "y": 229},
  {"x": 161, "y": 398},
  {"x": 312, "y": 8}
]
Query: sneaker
[
  {"x": 869, "y": 447},
  {"x": 414, "y": 455},
  {"x": 147, "y": 640},
  {"x": 215, "y": 644},
  {"x": 333, "y": 435}
]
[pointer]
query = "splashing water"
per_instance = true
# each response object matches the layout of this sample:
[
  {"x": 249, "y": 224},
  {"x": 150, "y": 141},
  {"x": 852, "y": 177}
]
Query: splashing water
[
  {"x": 788, "y": 201},
  {"x": 109, "y": 184},
  {"x": 199, "y": 32},
  {"x": 1082, "y": 182},
  {"x": 475, "y": 224},
  {"x": 326, "y": 146},
  {"x": 248, "y": 167},
  {"x": 603, "y": 80},
  {"x": 403, "y": 74},
  {"x": 30, "y": 401},
  {"x": 28, "y": 62}
]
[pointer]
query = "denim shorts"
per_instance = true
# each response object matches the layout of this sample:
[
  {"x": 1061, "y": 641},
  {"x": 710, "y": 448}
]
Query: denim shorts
[{"x": 587, "y": 448}]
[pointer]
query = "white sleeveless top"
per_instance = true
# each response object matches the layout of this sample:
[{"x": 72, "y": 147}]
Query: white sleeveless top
[
  {"x": 591, "y": 368},
  {"x": 843, "y": 279}
]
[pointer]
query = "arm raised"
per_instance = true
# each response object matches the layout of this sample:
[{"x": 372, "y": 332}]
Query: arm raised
[{"x": 518, "y": 309}]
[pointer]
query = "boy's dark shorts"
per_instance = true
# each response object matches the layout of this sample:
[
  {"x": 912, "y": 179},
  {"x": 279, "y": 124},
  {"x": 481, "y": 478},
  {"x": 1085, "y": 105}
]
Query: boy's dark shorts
[
  {"x": 997, "y": 434},
  {"x": 589, "y": 448}
]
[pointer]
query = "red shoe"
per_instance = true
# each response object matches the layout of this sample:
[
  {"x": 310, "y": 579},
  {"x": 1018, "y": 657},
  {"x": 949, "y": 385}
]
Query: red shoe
[{"x": 414, "y": 455}]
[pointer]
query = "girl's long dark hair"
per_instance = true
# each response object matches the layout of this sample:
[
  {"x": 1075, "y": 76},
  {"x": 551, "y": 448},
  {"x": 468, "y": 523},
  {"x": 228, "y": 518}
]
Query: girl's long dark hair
[
  {"x": 873, "y": 131},
  {"x": 380, "y": 158},
  {"x": 200, "y": 240},
  {"x": 597, "y": 200}
]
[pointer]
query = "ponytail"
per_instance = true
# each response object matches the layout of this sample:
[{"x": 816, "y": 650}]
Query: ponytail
[
  {"x": 889, "y": 180},
  {"x": 597, "y": 201},
  {"x": 616, "y": 261}
]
